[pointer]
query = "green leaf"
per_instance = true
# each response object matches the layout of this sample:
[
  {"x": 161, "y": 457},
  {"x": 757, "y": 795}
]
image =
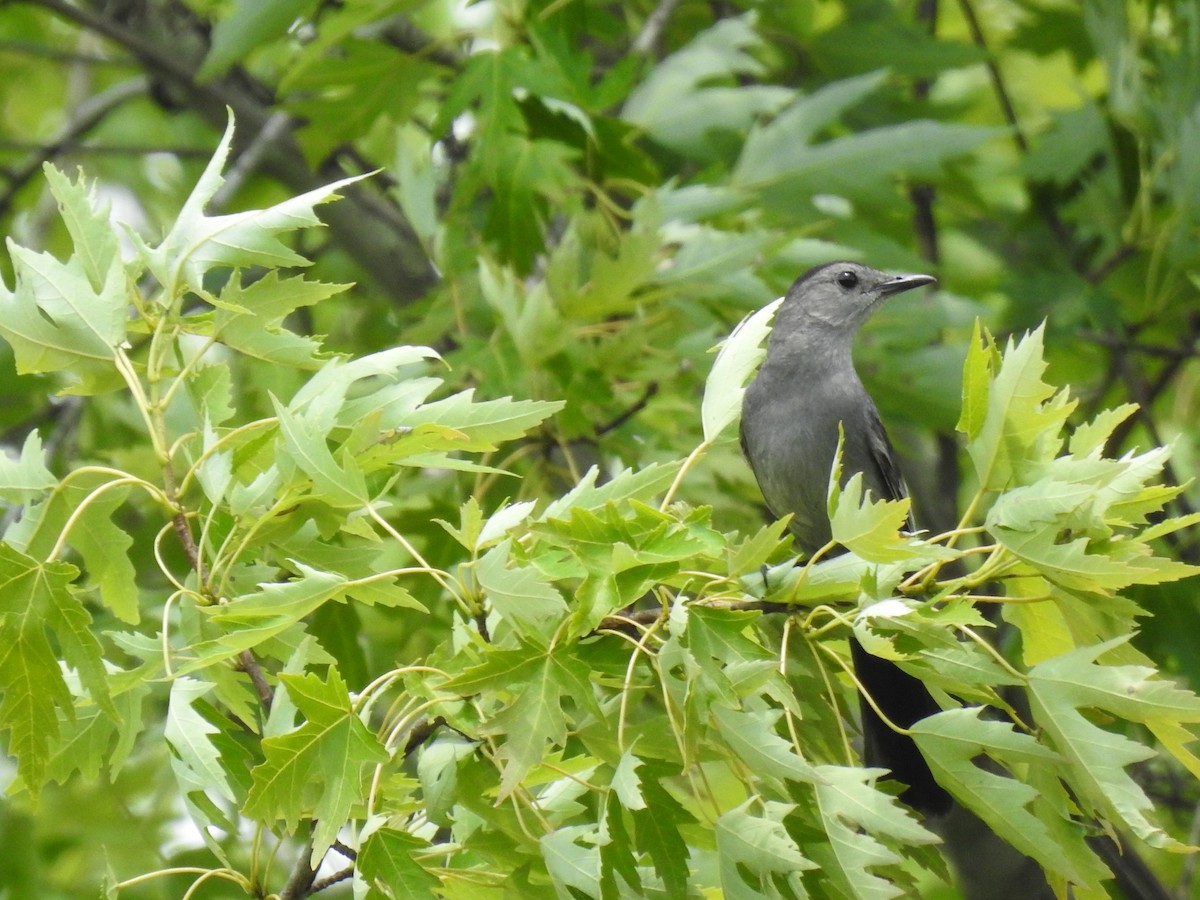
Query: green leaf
[
  {"x": 1023, "y": 422},
  {"x": 626, "y": 783},
  {"x": 1061, "y": 688},
  {"x": 483, "y": 424},
  {"x": 252, "y": 619},
  {"x": 519, "y": 593},
  {"x": 855, "y": 817},
  {"x": 981, "y": 361},
  {"x": 752, "y": 739},
  {"x": 317, "y": 770},
  {"x": 657, "y": 830},
  {"x": 36, "y": 599},
  {"x": 249, "y": 25},
  {"x": 737, "y": 358},
  {"x": 386, "y": 863},
  {"x": 1090, "y": 437},
  {"x": 953, "y": 742},
  {"x": 196, "y": 759},
  {"x": 693, "y": 92},
  {"x": 757, "y": 854},
  {"x": 88, "y": 220},
  {"x": 574, "y": 867},
  {"x": 769, "y": 148},
  {"x": 26, "y": 478},
  {"x": 197, "y": 242},
  {"x": 55, "y": 320},
  {"x": 249, "y": 319},
  {"x": 526, "y": 176},
  {"x": 541, "y": 681},
  {"x": 437, "y": 770},
  {"x": 105, "y": 548},
  {"x": 862, "y": 164},
  {"x": 642, "y": 484},
  {"x": 341, "y": 484},
  {"x": 868, "y": 527}
]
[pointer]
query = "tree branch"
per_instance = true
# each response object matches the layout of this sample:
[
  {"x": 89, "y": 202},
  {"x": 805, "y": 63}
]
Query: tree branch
[{"x": 300, "y": 882}]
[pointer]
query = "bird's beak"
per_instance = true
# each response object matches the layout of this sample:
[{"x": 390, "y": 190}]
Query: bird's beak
[{"x": 898, "y": 284}]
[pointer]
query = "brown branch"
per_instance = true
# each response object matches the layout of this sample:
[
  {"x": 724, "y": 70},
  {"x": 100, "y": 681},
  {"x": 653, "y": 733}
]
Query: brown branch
[{"x": 184, "y": 532}]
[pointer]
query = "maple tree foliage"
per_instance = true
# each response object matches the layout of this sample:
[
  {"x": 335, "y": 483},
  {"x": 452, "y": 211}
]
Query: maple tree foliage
[{"x": 387, "y": 537}]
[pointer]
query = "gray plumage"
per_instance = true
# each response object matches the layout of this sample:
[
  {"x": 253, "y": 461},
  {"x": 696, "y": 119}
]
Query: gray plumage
[{"x": 806, "y": 386}]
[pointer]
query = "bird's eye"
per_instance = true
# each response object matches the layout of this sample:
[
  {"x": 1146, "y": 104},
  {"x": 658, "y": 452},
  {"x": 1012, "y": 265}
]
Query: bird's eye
[{"x": 846, "y": 279}]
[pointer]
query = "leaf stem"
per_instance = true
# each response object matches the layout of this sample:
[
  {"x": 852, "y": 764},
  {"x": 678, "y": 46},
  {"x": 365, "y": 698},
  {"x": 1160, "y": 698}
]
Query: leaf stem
[
  {"x": 683, "y": 470},
  {"x": 87, "y": 501}
]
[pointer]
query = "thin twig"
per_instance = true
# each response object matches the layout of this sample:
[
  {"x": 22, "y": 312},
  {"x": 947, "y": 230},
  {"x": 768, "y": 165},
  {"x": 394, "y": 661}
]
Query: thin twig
[
  {"x": 638, "y": 405},
  {"x": 318, "y": 886}
]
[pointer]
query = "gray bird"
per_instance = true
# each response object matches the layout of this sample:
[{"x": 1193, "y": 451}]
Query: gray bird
[{"x": 806, "y": 387}]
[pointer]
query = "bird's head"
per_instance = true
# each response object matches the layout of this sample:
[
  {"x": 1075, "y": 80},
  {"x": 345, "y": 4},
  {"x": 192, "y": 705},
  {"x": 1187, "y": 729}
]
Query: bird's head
[{"x": 838, "y": 297}]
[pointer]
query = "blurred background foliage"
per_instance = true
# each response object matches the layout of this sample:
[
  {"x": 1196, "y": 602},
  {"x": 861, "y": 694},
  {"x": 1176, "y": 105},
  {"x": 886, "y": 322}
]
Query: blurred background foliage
[{"x": 574, "y": 200}]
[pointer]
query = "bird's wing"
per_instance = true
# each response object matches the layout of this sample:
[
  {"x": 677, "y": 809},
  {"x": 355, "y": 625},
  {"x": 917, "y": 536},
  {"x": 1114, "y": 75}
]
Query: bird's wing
[{"x": 889, "y": 480}]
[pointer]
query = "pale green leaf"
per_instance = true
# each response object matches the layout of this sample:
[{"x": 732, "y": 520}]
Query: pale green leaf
[
  {"x": 977, "y": 372},
  {"x": 190, "y": 736},
  {"x": 1022, "y": 425},
  {"x": 197, "y": 242},
  {"x": 26, "y": 477},
  {"x": 868, "y": 527},
  {"x": 954, "y": 740},
  {"x": 856, "y": 816},
  {"x": 88, "y": 221},
  {"x": 1061, "y": 688},
  {"x": 304, "y": 442},
  {"x": 737, "y": 358},
  {"x": 574, "y": 867},
  {"x": 769, "y": 149},
  {"x": 626, "y": 783},
  {"x": 519, "y": 594},
  {"x": 756, "y": 853},
  {"x": 751, "y": 737},
  {"x": 484, "y": 424},
  {"x": 437, "y": 770}
]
